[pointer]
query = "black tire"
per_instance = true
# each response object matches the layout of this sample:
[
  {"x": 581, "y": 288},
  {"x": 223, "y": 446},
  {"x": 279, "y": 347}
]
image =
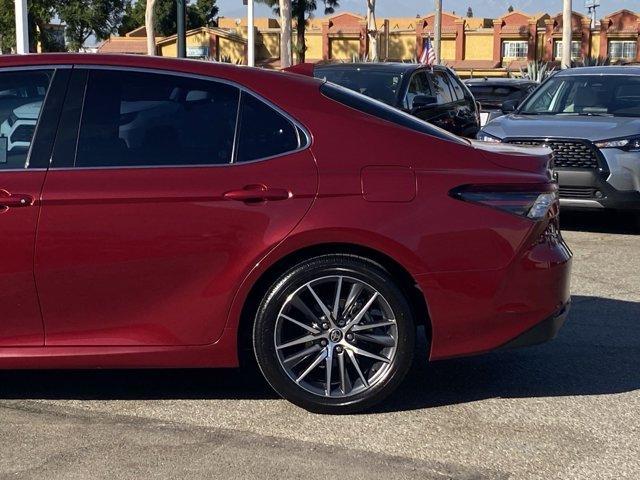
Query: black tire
[{"x": 351, "y": 267}]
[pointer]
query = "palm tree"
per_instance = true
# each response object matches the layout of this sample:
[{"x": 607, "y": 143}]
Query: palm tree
[
  {"x": 149, "y": 19},
  {"x": 372, "y": 30},
  {"x": 303, "y": 10}
]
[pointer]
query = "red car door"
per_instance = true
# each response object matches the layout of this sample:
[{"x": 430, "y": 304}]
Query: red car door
[
  {"x": 23, "y": 166},
  {"x": 163, "y": 193}
]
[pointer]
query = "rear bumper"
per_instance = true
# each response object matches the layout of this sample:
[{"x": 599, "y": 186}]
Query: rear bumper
[
  {"x": 543, "y": 332},
  {"x": 474, "y": 312}
]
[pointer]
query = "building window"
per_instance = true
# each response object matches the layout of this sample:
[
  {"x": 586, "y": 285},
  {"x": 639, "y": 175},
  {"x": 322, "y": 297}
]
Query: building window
[
  {"x": 576, "y": 53},
  {"x": 623, "y": 49},
  {"x": 515, "y": 49}
]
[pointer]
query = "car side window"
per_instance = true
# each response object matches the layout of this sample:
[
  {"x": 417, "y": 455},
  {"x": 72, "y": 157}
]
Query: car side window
[
  {"x": 22, "y": 95},
  {"x": 263, "y": 132},
  {"x": 443, "y": 92},
  {"x": 456, "y": 87},
  {"x": 150, "y": 119},
  {"x": 419, "y": 85}
]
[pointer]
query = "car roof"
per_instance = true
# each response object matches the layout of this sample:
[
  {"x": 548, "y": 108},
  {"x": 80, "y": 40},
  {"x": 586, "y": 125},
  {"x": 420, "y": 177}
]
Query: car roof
[
  {"x": 393, "y": 67},
  {"x": 237, "y": 73},
  {"x": 499, "y": 81},
  {"x": 601, "y": 70}
]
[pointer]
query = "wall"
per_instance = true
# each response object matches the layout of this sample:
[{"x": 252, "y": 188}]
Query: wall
[
  {"x": 344, "y": 48},
  {"x": 478, "y": 46}
]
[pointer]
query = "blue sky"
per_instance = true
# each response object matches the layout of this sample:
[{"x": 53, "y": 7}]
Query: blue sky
[{"x": 484, "y": 8}]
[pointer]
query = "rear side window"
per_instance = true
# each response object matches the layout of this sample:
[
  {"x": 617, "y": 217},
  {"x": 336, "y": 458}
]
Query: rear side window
[
  {"x": 441, "y": 85},
  {"x": 264, "y": 132},
  {"x": 149, "y": 119},
  {"x": 21, "y": 98},
  {"x": 378, "y": 109},
  {"x": 456, "y": 87}
]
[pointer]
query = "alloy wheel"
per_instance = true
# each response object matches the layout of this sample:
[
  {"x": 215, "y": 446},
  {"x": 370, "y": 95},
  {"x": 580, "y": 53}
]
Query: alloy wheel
[{"x": 336, "y": 336}]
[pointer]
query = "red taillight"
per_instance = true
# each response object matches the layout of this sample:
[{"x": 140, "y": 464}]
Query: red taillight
[{"x": 530, "y": 201}]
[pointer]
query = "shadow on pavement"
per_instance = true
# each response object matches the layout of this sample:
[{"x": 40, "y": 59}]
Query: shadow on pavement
[
  {"x": 601, "y": 221},
  {"x": 597, "y": 352}
]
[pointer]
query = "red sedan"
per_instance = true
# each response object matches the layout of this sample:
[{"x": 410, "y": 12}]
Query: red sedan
[{"x": 166, "y": 213}]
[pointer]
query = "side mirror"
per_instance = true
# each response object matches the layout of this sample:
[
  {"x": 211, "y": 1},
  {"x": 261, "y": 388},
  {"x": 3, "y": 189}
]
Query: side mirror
[
  {"x": 509, "y": 106},
  {"x": 422, "y": 101}
]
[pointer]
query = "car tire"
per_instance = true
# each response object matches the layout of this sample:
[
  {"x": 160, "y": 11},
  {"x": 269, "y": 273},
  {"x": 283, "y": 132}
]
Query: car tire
[{"x": 348, "y": 357}]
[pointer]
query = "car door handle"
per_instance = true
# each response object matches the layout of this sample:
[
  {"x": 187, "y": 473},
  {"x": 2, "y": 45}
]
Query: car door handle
[
  {"x": 257, "y": 193},
  {"x": 14, "y": 200}
]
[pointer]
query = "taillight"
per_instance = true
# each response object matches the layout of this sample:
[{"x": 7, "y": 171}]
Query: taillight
[{"x": 530, "y": 201}]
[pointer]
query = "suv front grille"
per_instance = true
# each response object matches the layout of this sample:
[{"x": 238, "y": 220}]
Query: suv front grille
[
  {"x": 24, "y": 133},
  {"x": 567, "y": 153}
]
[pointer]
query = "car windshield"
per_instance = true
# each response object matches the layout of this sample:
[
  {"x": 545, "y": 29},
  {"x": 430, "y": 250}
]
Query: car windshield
[
  {"x": 381, "y": 85},
  {"x": 600, "y": 95}
]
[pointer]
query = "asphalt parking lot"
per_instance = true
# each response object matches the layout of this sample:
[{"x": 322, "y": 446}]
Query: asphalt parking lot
[{"x": 567, "y": 409}]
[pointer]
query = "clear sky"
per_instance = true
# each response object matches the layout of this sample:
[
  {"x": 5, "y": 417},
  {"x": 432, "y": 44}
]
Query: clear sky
[{"x": 409, "y": 8}]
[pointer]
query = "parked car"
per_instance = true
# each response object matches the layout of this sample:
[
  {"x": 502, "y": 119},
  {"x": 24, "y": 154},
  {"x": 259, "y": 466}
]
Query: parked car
[
  {"x": 590, "y": 117},
  {"x": 492, "y": 92},
  {"x": 435, "y": 95},
  {"x": 20, "y": 102},
  {"x": 276, "y": 218}
]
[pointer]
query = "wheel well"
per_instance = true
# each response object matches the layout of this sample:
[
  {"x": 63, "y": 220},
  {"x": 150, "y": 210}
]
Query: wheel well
[{"x": 405, "y": 282}]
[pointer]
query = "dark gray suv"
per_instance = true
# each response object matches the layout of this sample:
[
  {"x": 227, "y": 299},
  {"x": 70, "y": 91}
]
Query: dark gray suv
[{"x": 590, "y": 118}]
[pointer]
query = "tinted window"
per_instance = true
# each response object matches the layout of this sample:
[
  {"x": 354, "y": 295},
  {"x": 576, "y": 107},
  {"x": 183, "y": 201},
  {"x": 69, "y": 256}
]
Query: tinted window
[
  {"x": 617, "y": 95},
  {"x": 381, "y": 85},
  {"x": 419, "y": 85},
  {"x": 140, "y": 119},
  {"x": 21, "y": 98},
  {"x": 263, "y": 131},
  {"x": 456, "y": 87},
  {"x": 385, "y": 112},
  {"x": 442, "y": 88}
]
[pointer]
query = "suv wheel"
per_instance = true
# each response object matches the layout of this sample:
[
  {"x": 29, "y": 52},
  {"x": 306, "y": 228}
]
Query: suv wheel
[{"x": 334, "y": 334}]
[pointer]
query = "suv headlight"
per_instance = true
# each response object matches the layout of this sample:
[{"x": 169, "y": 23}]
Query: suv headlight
[
  {"x": 485, "y": 137},
  {"x": 629, "y": 143}
]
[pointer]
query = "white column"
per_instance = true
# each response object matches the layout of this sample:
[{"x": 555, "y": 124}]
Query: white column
[
  {"x": 22, "y": 27},
  {"x": 566, "y": 34},
  {"x": 437, "y": 31},
  {"x": 251, "y": 35}
]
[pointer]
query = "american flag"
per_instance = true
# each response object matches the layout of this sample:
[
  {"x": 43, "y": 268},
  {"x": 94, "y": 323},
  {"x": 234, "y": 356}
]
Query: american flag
[{"x": 428, "y": 56}]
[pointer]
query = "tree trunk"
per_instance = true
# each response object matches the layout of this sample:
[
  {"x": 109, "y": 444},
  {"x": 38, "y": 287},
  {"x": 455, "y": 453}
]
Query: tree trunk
[
  {"x": 372, "y": 30},
  {"x": 285, "y": 34},
  {"x": 301, "y": 42},
  {"x": 149, "y": 20}
]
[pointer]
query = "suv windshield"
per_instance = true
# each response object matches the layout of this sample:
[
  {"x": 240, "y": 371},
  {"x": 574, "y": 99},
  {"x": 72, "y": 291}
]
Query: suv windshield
[
  {"x": 609, "y": 95},
  {"x": 378, "y": 84}
]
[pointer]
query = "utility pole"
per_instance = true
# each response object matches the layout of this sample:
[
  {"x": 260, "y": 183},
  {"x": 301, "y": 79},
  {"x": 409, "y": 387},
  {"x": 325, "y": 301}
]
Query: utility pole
[
  {"x": 437, "y": 31},
  {"x": 251, "y": 35},
  {"x": 22, "y": 27},
  {"x": 182, "y": 35},
  {"x": 566, "y": 34}
]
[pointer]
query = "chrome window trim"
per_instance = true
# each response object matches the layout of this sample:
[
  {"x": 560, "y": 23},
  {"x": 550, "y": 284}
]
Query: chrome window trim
[
  {"x": 308, "y": 139},
  {"x": 35, "y": 130}
]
